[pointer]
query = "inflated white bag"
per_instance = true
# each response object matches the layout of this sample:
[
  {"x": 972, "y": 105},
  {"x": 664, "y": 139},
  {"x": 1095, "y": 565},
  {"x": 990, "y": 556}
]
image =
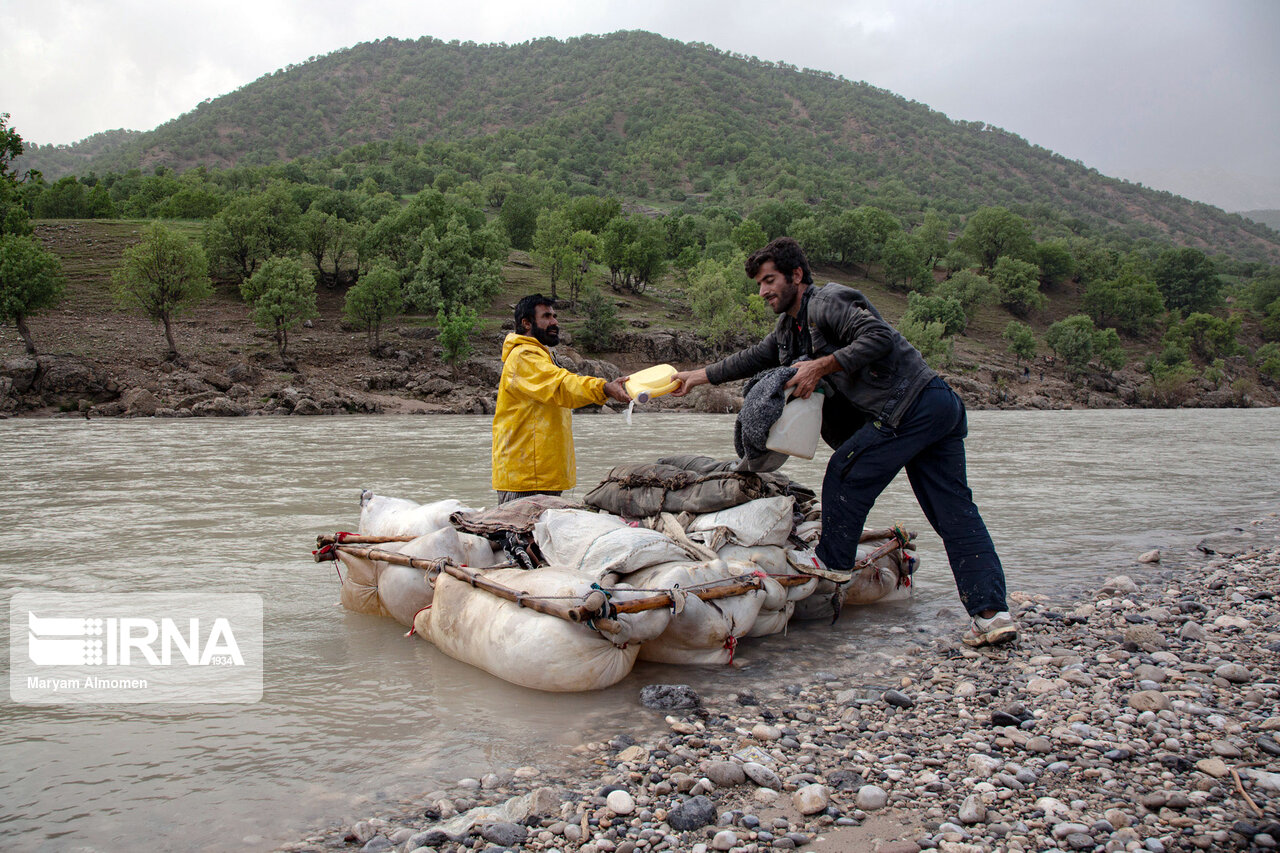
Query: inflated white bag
[
  {"x": 766, "y": 521},
  {"x": 627, "y": 550},
  {"x": 875, "y": 583},
  {"x": 563, "y": 535},
  {"x": 700, "y": 632},
  {"x": 529, "y": 648},
  {"x": 387, "y": 589},
  {"x": 771, "y": 560},
  {"x": 381, "y": 516}
]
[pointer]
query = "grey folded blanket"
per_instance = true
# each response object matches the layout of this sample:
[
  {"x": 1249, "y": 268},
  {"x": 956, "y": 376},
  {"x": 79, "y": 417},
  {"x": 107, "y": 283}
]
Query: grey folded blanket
[{"x": 761, "y": 407}]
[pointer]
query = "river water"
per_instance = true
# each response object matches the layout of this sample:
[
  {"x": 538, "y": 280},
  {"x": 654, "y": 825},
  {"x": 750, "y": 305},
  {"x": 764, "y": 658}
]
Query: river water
[{"x": 355, "y": 716}]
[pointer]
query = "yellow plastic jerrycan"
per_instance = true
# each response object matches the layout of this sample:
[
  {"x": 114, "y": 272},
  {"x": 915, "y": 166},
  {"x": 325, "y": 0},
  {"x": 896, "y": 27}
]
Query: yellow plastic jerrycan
[{"x": 652, "y": 382}]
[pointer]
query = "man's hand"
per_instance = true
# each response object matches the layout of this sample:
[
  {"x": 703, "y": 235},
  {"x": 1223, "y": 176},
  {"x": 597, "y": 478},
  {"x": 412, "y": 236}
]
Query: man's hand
[
  {"x": 616, "y": 390},
  {"x": 808, "y": 373},
  {"x": 690, "y": 379}
]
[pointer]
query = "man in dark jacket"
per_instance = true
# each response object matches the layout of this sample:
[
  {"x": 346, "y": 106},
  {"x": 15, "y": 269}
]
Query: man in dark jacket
[{"x": 888, "y": 411}]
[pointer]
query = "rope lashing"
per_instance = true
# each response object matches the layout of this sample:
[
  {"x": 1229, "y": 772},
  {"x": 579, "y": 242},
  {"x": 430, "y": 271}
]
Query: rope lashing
[
  {"x": 732, "y": 645},
  {"x": 413, "y": 630}
]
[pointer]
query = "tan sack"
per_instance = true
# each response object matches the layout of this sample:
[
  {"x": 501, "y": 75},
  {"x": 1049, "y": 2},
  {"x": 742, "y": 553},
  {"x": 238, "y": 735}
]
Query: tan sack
[
  {"x": 529, "y": 648},
  {"x": 383, "y": 516},
  {"x": 563, "y": 535},
  {"x": 766, "y": 521}
]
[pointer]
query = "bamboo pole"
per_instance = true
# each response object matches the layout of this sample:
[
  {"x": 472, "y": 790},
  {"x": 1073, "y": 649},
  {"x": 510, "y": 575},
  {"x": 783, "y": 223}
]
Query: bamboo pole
[
  {"x": 571, "y": 613},
  {"x": 358, "y": 539}
]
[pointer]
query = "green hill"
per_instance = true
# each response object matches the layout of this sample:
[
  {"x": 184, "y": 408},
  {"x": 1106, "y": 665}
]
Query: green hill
[{"x": 653, "y": 121}]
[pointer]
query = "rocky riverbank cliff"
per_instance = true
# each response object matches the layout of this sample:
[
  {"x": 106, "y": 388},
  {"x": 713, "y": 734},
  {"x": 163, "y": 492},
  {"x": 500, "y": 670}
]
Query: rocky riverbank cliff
[{"x": 336, "y": 374}]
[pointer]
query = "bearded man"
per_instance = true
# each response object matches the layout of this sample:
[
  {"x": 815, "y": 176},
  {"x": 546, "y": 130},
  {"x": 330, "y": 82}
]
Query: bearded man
[
  {"x": 886, "y": 410},
  {"x": 533, "y": 421}
]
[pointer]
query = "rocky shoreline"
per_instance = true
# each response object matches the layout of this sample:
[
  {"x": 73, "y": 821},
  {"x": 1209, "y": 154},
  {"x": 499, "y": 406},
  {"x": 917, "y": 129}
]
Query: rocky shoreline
[
  {"x": 411, "y": 382},
  {"x": 1142, "y": 716}
]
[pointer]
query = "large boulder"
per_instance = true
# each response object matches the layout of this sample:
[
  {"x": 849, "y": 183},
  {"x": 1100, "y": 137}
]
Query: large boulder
[
  {"x": 21, "y": 372},
  {"x": 218, "y": 407},
  {"x": 140, "y": 402}
]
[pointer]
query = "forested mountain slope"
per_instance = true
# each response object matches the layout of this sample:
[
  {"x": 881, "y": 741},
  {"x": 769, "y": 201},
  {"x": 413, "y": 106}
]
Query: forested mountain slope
[{"x": 661, "y": 122}]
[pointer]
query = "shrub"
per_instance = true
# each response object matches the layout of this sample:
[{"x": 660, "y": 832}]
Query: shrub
[
  {"x": 936, "y": 309},
  {"x": 601, "y": 323},
  {"x": 1021, "y": 340}
]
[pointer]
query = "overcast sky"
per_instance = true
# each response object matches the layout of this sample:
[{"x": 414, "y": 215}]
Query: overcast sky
[{"x": 1182, "y": 95}]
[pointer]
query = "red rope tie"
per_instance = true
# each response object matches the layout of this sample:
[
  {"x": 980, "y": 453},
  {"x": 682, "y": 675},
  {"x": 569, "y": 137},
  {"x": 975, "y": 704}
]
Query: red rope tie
[
  {"x": 732, "y": 645},
  {"x": 414, "y": 629},
  {"x": 341, "y": 537}
]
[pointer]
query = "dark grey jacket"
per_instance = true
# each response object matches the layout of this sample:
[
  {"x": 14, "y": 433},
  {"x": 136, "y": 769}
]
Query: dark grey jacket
[{"x": 881, "y": 373}]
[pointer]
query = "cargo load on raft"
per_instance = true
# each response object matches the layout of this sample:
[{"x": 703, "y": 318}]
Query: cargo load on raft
[{"x": 675, "y": 561}]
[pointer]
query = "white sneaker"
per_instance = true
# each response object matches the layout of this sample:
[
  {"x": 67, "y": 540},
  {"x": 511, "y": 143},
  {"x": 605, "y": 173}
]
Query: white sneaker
[{"x": 996, "y": 631}]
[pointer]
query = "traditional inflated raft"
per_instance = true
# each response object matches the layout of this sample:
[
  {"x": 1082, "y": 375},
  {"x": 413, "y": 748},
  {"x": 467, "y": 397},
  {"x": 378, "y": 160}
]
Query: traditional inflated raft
[{"x": 549, "y": 594}]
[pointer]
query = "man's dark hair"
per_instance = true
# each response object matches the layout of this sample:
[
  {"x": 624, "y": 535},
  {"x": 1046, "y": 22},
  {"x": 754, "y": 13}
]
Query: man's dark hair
[
  {"x": 787, "y": 256},
  {"x": 527, "y": 308}
]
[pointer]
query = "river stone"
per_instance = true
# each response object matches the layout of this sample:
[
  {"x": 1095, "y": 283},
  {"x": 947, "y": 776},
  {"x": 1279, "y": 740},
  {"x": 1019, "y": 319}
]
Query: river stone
[
  {"x": 693, "y": 813},
  {"x": 1147, "y": 672},
  {"x": 725, "y": 774},
  {"x": 1146, "y": 637},
  {"x": 898, "y": 699},
  {"x": 1040, "y": 744},
  {"x": 669, "y": 697},
  {"x": 1215, "y": 767},
  {"x": 983, "y": 765},
  {"x": 1052, "y": 806},
  {"x": 1149, "y": 700},
  {"x": 1229, "y": 543},
  {"x": 811, "y": 799},
  {"x": 504, "y": 834},
  {"x": 378, "y": 844},
  {"x": 1265, "y": 780},
  {"x": 761, "y": 775},
  {"x": 763, "y": 732},
  {"x": 1118, "y": 818},
  {"x": 620, "y": 802},
  {"x": 1062, "y": 830},
  {"x": 634, "y": 754},
  {"x": 1233, "y": 672},
  {"x": 871, "y": 797},
  {"x": 1193, "y": 631},
  {"x": 307, "y": 406},
  {"x": 433, "y": 837},
  {"x": 1150, "y": 557},
  {"x": 1118, "y": 585},
  {"x": 972, "y": 810},
  {"x": 725, "y": 839}
]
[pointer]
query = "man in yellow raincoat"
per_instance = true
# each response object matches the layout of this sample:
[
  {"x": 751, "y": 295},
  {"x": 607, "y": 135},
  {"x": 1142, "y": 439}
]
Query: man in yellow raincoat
[{"x": 533, "y": 422}]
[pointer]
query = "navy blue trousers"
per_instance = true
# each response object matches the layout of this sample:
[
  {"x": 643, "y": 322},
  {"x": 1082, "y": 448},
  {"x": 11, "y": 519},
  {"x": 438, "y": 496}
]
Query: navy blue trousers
[{"x": 929, "y": 444}]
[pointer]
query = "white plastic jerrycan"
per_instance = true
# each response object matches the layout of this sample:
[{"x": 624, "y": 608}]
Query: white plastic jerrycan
[
  {"x": 652, "y": 382},
  {"x": 796, "y": 430}
]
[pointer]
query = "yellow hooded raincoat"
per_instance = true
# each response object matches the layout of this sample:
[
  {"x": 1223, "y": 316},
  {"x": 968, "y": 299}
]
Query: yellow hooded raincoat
[{"x": 533, "y": 421}]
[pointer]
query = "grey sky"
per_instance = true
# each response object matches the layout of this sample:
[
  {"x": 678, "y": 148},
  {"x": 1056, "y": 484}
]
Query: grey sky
[{"x": 1182, "y": 95}]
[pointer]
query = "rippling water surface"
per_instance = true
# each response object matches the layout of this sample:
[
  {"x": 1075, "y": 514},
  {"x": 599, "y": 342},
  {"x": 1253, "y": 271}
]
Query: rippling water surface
[{"x": 352, "y": 711}]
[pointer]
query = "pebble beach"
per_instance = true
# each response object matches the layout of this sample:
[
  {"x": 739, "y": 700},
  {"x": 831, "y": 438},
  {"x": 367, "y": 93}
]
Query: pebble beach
[{"x": 1143, "y": 714}]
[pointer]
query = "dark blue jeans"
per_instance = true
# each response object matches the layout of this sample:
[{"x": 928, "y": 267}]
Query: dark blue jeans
[{"x": 929, "y": 443}]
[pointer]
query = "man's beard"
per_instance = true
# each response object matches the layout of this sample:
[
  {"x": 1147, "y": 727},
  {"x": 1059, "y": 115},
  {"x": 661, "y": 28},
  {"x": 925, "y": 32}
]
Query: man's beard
[{"x": 546, "y": 337}]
